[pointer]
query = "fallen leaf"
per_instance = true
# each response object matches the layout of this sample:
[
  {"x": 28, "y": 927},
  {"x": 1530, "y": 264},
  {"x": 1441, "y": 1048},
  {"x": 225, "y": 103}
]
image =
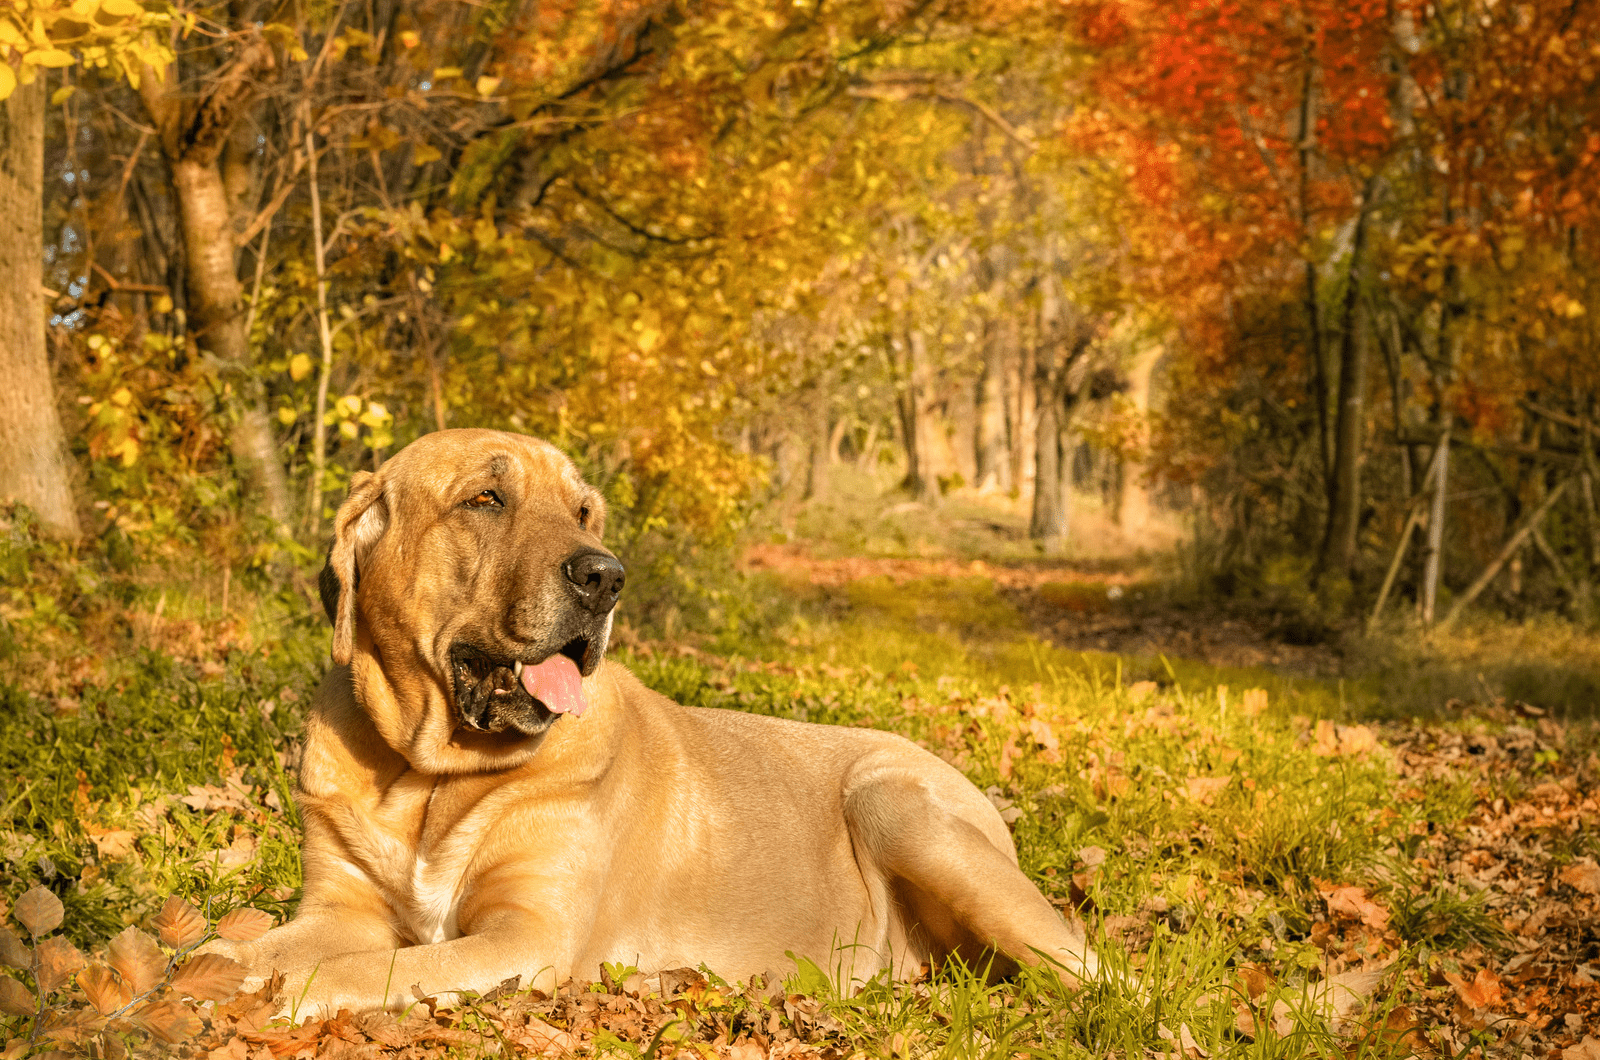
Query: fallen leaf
[
  {"x": 1353, "y": 902},
  {"x": 112, "y": 843},
  {"x": 1256, "y": 980},
  {"x": 39, "y": 911},
  {"x": 138, "y": 959},
  {"x": 179, "y": 924},
  {"x": 1481, "y": 993},
  {"x": 1204, "y": 789},
  {"x": 1584, "y": 875},
  {"x": 1092, "y": 856},
  {"x": 1588, "y": 1049}
]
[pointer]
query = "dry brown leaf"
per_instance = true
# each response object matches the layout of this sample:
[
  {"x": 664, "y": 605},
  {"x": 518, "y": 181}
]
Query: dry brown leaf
[
  {"x": 112, "y": 843},
  {"x": 105, "y": 991},
  {"x": 1584, "y": 875},
  {"x": 169, "y": 1021},
  {"x": 13, "y": 953},
  {"x": 1481, "y": 993},
  {"x": 1588, "y": 1049},
  {"x": 58, "y": 961},
  {"x": 1353, "y": 902},
  {"x": 1256, "y": 980},
  {"x": 1204, "y": 789},
  {"x": 244, "y": 925},
  {"x": 209, "y": 977},
  {"x": 39, "y": 911},
  {"x": 138, "y": 959},
  {"x": 540, "y": 1037},
  {"x": 179, "y": 924},
  {"x": 15, "y": 999},
  {"x": 235, "y": 1049}
]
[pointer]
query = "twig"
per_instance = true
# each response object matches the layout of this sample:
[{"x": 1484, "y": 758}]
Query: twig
[{"x": 1529, "y": 525}]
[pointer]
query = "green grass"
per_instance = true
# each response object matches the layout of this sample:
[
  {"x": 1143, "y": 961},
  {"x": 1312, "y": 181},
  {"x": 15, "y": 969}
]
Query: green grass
[{"x": 1194, "y": 835}]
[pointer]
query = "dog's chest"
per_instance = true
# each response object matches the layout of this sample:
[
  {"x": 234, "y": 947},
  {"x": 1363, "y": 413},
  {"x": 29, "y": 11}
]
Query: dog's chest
[{"x": 419, "y": 850}]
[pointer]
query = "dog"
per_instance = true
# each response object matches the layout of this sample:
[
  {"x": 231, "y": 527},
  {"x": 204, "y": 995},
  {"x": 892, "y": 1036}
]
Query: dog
[{"x": 485, "y": 796}]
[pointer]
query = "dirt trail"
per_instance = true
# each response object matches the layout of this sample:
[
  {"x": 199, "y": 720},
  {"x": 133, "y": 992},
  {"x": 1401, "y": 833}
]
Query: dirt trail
[{"x": 1088, "y": 607}]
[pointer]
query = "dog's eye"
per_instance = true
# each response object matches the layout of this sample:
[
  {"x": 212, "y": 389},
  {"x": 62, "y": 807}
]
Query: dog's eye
[
  {"x": 486, "y": 499},
  {"x": 583, "y": 517}
]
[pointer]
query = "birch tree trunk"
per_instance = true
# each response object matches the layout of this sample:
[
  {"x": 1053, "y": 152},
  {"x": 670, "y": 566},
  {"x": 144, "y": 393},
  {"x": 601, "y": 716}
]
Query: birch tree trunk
[{"x": 34, "y": 467}]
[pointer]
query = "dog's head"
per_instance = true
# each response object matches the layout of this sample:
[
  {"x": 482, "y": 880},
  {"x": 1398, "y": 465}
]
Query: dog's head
[{"x": 469, "y": 591}]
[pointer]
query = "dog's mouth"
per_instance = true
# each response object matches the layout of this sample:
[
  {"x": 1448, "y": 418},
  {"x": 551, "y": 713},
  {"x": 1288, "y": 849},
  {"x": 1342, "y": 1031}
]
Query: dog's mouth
[{"x": 495, "y": 694}]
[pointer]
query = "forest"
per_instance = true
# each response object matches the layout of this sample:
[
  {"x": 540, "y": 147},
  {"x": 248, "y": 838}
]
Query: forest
[{"x": 1017, "y": 375}]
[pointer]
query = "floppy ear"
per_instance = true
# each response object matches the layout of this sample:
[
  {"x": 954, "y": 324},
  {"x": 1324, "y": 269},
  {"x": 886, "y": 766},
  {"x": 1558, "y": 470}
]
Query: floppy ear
[{"x": 361, "y": 520}]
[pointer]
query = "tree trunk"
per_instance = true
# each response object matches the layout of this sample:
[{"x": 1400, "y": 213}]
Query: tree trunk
[
  {"x": 1051, "y": 520},
  {"x": 993, "y": 469},
  {"x": 1134, "y": 506},
  {"x": 1433, "y": 552},
  {"x": 34, "y": 466},
  {"x": 193, "y": 147},
  {"x": 817, "y": 472},
  {"x": 920, "y": 481},
  {"x": 1339, "y": 545}
]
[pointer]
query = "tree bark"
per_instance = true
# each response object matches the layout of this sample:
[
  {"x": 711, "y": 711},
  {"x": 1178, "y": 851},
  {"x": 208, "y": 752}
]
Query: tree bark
[
  {"x": 192, "y": 139},
  {"x": 1433, "y": 557},
  {"x": 34, "y": 466},
  {"x": 1339, "y": 545},
  {"x": 1051, "y": 520},
  {"x": 993, "y": 469},
  {"x": 920, "y": 480}
]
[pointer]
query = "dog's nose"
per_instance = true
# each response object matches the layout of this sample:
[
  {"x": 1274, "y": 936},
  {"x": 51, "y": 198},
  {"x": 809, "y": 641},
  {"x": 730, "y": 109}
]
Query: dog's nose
[{"x": 597, "y": 578}]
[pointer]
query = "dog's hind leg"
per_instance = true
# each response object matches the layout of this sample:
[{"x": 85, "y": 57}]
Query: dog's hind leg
[{"x": 949, "y": 864}]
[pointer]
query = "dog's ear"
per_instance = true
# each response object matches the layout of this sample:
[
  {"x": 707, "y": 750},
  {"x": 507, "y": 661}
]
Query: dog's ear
[{"x": 361, "y": 520}]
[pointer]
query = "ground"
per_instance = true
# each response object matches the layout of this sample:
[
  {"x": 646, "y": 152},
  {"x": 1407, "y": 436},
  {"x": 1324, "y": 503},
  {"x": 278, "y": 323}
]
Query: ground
[{"x": 1277, "y": 853}]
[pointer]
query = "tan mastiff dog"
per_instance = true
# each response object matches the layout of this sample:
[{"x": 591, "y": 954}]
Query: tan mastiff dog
[{"x": 485, "y": 797}]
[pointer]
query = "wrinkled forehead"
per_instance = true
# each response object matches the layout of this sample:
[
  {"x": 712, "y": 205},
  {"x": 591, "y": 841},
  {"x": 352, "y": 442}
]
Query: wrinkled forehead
[{"x": 446, "y": 469}]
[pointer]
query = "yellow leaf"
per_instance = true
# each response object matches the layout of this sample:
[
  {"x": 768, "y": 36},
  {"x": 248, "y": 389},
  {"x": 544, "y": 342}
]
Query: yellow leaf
[
  {"x": 127, "y": 450},
  {"x": 445, "y": 253},
  {"x": 487, "y": 85},
  {"x": 62, "y": 94},
  {"x": 444, "y": 73},
  {"x": 286, "y": 415},
  {"x": 299, "y": 367},
  {"x": 122, "y": 398},
  {"x": 409, "y": 39},
  {"x": 8, "y": 79},
  {"x": 163, "y": 304},
  {"x": 53, "y": 57},
  {"x": 121, "y": 8},
  {"x": 422, "y": 154},
  {"x": 349, "y": 429},
  {"x": 85, "y": 8}
]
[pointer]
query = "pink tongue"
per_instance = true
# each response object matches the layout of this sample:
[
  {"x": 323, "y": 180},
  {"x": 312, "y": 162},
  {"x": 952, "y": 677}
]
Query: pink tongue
[{"x": 557, "y": 684}]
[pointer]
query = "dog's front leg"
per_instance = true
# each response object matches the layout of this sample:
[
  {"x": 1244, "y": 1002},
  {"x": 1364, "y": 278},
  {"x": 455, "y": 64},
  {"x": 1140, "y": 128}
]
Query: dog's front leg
[{"x": 508, "y": 946}]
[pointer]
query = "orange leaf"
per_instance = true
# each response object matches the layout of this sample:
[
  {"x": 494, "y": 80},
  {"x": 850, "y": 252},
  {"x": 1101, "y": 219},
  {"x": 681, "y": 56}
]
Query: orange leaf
[
  {"x": 169, "y": 1021},
  {"x": 58, "y": 961},
  {"x": 15, "y": 999},
  {"x": 1257, "y": 980},
  {"x": 1584, "y": 875},
  {"x": 106, "y": 992},
  {"x": 1482, "y": 992},
  {"x": 138, "y": 959},
  {"x": 1204, "y": 789},
  {"x": 209, "y": 977},
  {"x": 243, "y": 925},
  {"x": 39, "y": 911},
  {"x": 179, "y": 923},
  {"x": 1353, "y": 902}
]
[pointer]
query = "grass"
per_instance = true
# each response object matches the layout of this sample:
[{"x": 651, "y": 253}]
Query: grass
[{"x": 1197, "y": 817}]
